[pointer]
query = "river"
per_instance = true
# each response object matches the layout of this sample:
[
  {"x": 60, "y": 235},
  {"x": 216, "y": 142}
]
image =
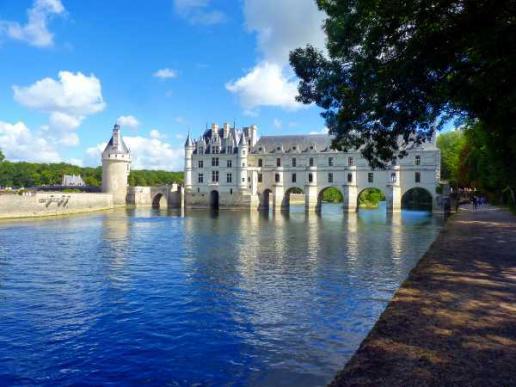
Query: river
[{"x": 234, "y": 298}]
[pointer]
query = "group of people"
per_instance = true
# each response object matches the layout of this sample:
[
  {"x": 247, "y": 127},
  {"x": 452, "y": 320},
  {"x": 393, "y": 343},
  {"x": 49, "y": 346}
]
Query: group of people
[{"x": 478, "y": 200}]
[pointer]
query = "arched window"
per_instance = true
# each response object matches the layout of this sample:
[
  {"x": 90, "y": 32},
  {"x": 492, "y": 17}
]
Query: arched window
[
  {"x": 310, "y": 177},
  {"x": 418, "y": 177},
  {"x": 350, "y": 178},
  {"x": 277, "y": 177}
]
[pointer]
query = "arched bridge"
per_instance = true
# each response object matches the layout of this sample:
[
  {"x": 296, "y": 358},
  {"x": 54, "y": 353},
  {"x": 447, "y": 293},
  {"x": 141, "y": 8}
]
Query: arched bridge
[{"x": 163, "y": 196}]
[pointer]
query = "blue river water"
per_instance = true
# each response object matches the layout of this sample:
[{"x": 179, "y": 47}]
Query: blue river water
[{"x": 163, "y": 298}]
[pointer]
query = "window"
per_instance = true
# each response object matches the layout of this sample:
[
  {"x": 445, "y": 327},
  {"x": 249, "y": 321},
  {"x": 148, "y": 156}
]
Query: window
[
  {"x": 229, "y": 163},
  {"x": 350, "y": 178},
  {"x": 294, "y": 178},
  {"x": 330, "y": 161},
  {"x": 201, "y": 149},
  {"x": 231, "y": 191},
  {"x": 229, "y": 178},
  {"x": 248, "y": 179},
  {"x": 215, "y": 149},
  {"x": 294, "y": 148},
  {"x": 277, "y": 177},
  {"x": 350, "y": 161},
  {"x": 215, "y": 162},
  {"x": 200, "y": 178},
  {"x": 370, "y": 177},
  {"x": 393, "y": 178},
  {"x": 278, "y": 162},
  {"x": 260, "y": 178},
  {"x": 198, "y": 190},
  {"x": 330, "y": 177},
  {"x": 260, "y": 162},
  {"x": 243, "y": 152},
  {"x": 215, "y": 176},
  {"x": 418, "y": 177},
  {"x": 418, "y": 160},
  {"x": 311, "y": 161},
  {"x": 200, "y": 164},
  {"x": 243, "y": 179},
  {"x": 294, "y": 162},
  {"x": 310, "y": 178},
  {"x": 243, "y": 164}
]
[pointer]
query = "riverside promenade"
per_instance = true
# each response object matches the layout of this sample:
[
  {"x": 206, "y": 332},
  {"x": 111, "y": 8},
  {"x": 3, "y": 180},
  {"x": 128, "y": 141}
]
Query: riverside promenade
[{"x": 453, "y": 321}]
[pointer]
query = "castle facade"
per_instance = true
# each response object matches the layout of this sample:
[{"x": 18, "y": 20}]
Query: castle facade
[{"x": 234, "y": 168}]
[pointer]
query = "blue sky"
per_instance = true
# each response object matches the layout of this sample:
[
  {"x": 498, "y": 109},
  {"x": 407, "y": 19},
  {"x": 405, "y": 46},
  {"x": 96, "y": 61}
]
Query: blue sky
[{"x": 71, "y": 68}]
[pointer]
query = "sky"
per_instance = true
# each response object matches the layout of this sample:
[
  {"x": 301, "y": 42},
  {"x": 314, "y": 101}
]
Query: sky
[{"x": 70, "y": 69}]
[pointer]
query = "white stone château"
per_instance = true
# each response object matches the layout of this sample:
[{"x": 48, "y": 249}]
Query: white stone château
[
  {"x": 116, "y": 165},
  {"x": 231, "y": 168}
]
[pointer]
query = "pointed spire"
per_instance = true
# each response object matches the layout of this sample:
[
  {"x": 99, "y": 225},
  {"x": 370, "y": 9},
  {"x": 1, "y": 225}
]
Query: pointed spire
[
  {"x": 188, "y": 142},
  {"x": 243, "y": 140}
]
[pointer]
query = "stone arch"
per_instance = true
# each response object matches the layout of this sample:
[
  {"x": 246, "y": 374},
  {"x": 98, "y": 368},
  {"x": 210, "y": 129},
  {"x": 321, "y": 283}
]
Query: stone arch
[
  {"x": 320, "y": 195},
  {"x": 265, "y": 199},
  {"x": 159, "y": 200},
  {"x": 214, "y": 200},
  {"x": 296, "y": 190},
  {"x": 417, "y": 198},
  {"x": 364, "y": 204}
]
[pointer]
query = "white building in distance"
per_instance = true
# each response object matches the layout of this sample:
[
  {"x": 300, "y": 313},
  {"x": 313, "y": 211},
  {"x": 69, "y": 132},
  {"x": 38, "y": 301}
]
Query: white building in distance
[{"x": 231, "y": 168}]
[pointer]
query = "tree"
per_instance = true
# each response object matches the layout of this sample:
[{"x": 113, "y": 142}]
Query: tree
[
  {"x": 402, "y": 69},
  {"x": 2, "y": 157},
  {"x": 451, "y": 145}
]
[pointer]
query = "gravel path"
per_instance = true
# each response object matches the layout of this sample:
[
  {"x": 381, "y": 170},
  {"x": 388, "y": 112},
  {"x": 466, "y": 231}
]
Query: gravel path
[{"x": 453, "y": 321}]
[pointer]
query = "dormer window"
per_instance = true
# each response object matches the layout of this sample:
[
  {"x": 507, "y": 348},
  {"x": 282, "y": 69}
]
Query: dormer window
[
  {"x": 294, "y": 147},
  {"x": 311, "y": 147}
]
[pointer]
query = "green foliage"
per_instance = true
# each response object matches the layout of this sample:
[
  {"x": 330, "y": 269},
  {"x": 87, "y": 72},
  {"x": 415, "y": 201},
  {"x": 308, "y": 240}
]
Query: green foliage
[
  {"x": 2, "y": 157},
  {"x": 24, "y": 174},
  {"x": 488, "y": 164},
  {"x": 451, "y": 145},
  {"x": 370, "y": 198},
  {"x": 146, "y": 177},
  {"x": 400, "y": 68},
  {"x": 417, "y": 199},
  {"x": 332, "y": 195}
]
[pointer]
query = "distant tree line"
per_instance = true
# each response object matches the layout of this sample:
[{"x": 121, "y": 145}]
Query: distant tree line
[{"x": 25, "y": 174}]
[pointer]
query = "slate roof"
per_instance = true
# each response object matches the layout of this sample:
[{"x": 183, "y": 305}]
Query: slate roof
[{"x": 301, "y": 142}]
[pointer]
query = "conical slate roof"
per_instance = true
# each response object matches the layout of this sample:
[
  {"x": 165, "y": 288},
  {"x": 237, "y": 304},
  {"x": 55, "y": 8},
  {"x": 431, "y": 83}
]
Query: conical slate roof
[{"x": 116, "y": 144}]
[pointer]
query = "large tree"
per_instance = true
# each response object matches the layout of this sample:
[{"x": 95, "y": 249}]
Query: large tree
[
  {"x": 400, "y": 69},
  {"x": 2, "y": 157}
]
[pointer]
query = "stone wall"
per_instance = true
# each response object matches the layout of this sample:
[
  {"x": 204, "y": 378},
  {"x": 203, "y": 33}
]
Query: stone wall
[{"x": 52, "y": 203}]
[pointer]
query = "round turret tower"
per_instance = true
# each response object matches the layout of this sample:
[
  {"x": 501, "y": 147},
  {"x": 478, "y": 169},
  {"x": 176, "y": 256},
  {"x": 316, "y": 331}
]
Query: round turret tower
[
  {"x": 189, "y": 149},
  {"x": 116, "y": 165},
  {"x": 243, "y": 151}
]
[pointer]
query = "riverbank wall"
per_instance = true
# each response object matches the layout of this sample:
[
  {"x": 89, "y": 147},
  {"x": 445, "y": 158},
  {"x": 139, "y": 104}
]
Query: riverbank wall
[
  {"x": 453, "y": 321},
  {"x": 38, "y": 204}
]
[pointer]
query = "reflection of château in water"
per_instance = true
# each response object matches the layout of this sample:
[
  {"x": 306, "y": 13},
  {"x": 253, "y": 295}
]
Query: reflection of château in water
[{"x": 233, "y": 168}]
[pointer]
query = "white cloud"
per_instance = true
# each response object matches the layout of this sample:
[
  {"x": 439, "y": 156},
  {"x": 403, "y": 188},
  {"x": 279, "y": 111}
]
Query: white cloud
[
  {"x": 74, "y": 93},
  {"x": 148, "y": 153},
  {"x": 277, "y": 123},
  {"x": 130, "y": 122},
  {"x": 68, "y": 100},
  {"x": 265, "y": 85},
  {"x": 19, "y": 143},
  {"x": 324, "y": 130},
  {"x": 165, "y": 73},
  {"x": 281, "y": 26},
  {"x": 284, "y": 25},
  {"x": 199, "y": 12},
  {"x": 35, "y": 32}
]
